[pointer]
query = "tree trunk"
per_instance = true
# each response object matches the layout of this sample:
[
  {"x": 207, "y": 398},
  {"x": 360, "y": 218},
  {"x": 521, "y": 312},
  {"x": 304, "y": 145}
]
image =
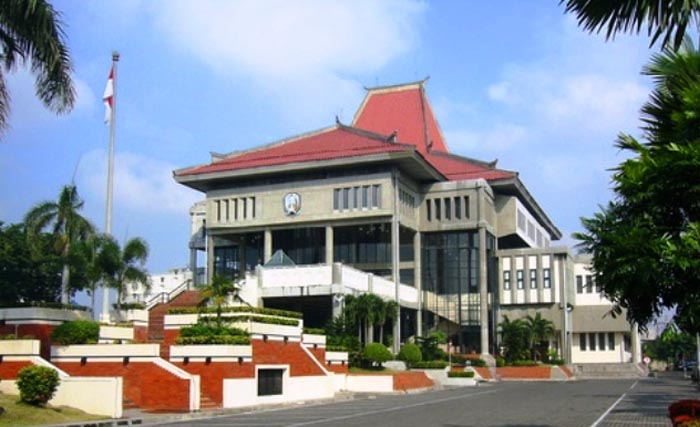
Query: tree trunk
[{"x": 65, "y": 276}]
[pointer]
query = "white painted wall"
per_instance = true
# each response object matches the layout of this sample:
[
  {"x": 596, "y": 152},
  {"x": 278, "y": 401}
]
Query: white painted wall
[
  {"x": 370, "y": 383},
  {"x": 244, "y": 391},
  {"x": 617, "y": 355}
]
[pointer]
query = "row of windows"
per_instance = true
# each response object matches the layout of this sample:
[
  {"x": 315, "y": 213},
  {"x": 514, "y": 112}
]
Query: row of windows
[
  {"x": 529, "y": 227},
  {"x": 447, "y": 208},
  {"x": 236, "y": 209},
  {"x": 407, "y": 198},
  {"x": 520, "y": 279},
  {"x": 596, "y": 341},
  {"x": 588, "y": 286},
  {"x": 360, "y": 197}
]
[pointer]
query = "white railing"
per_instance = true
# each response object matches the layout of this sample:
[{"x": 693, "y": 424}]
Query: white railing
[
  {"x": 306, "y": 275},
  {"x": 165, "y": 297}
]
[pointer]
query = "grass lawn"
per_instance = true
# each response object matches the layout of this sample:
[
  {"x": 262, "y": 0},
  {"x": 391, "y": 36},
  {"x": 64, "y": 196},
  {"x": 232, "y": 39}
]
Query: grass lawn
[{"x": 20, "y": 414}]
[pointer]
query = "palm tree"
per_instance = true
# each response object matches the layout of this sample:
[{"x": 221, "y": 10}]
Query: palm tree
[
  {"x": 217, "y": 291},
  {"x": 31, "y": 32},
  {"x": 129, "y": 262},
  {"x": 540, "y": 329},
  {"x": 99, "y": 262},
  {"x": 665, "y": 19},
  {"x": 66, "y": 224},
  {"x": 389, "y": 311},
  {"x": 514, "y": 337}
]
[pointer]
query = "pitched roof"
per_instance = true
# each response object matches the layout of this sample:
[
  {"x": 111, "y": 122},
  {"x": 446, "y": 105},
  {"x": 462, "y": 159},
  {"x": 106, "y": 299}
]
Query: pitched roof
[
  {"x": 403, "y": 109},
  {"x": 331, "y": 143},
  {"x": 456, "y": 168}
]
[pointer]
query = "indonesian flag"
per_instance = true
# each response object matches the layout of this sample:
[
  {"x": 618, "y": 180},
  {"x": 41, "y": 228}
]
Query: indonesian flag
[{"x": 108, "y": 96}]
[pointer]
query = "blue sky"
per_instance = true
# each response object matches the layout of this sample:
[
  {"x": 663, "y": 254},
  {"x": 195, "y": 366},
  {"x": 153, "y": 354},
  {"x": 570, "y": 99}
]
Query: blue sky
[{"x": 518, "y": 82}]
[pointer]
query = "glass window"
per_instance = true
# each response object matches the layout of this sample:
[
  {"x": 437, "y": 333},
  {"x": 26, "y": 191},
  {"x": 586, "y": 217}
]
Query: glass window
[
  {"x": 235, "y": 209},
  {"x": 346, "y": 199},
  {"x": 546, "y": 279},
  {"x": 589, "y": 284},
  {"x": 611, "y": 340},
  {"x": 428, "y": 212},
  {"x": 448, "y": 208},
  {"x": 356, "y": 198},
  {"x": 336, "y": 199},
  {"x": 466, "y": 206},
  {"x": 506, "y": 280},
  {"x": 252, "y": 206},
  {"x": 591, "y": 341},
  {"x": 269, "y": 382},
  {"x": 519, "y": 276},
  {"x": 579, "y": 284},
  {"x": 598, "y": 286},
  {"x": 533, "y": 278},
  {"x": 376, "y": 196},
  {"x": 458, "y": 208},
  {"x": 438, "y": 217},
  {"x": 601, "y": 341},
  {"x": 365, "y": 196},
  {"x": 582, "y": 341},
  {"x": 244, "y": 208}
]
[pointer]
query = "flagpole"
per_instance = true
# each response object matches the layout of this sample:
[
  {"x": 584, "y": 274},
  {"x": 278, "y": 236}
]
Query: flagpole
[{"x": 104, "y": 316}]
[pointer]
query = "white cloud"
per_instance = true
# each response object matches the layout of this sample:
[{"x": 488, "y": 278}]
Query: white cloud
[
  {"x": 298, "y": 52},
  {"x": 500, "y": 138},
  {"x": 141, "y": 184}
]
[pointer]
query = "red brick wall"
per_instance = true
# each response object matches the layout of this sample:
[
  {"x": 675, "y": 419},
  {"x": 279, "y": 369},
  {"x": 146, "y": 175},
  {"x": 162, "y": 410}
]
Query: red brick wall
[
  {"x": 319, "y": 353},
  {"x": 485, "y": 373},
  {"x": 9, "y": 370},
  {"x": 411, "y": 381},
  {"x": 524, "y": 372},
  {"x": 41, "y": 332},
  {"x": 146, "y": 384},
  {"x": 290, "y": 353},
  {"x": 141, "y": 334},
  {"x": 213, "y": 374},
  {"x": 338, "y": 368}
]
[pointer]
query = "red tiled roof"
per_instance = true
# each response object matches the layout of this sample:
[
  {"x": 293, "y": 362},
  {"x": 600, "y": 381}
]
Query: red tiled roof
[
  {"x": 332, "y": 143},
  {"x": 404, "y": 109},
  {"x": 456, "y": 168}
]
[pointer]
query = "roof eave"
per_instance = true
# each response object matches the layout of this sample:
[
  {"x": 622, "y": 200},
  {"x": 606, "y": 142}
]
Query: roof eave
[{"x": 530, "y": 202}]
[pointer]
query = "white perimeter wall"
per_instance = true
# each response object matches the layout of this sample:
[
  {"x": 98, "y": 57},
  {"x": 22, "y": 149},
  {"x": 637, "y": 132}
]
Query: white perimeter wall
[
  {"x": 370, "y": 383},
  {"x": 244, "y": 391},
  {"x": 618, "y": 355}
]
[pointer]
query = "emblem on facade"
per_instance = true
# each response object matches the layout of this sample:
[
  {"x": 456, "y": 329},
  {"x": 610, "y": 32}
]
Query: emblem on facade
[{"x": 292, "y": 204}]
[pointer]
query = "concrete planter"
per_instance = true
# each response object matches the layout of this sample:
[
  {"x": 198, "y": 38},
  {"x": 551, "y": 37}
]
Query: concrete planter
[
  {"x": 116, "y": 333},
  {"x": 40, "y": 314},
  {"x": 314, "y": 339},
  {"x": 20, "y": 347},
  {"x": 105, "y": 351},
  {"x": 214, "y": 352}
]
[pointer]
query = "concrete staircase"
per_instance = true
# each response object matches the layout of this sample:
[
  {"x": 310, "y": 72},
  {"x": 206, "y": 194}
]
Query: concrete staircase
[
  {"x": 156, "y": 317},
  {"x": 607, "y": 370}
]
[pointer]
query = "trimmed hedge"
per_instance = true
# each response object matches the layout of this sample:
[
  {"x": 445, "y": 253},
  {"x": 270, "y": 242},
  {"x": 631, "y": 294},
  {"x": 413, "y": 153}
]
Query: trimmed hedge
[
  {"x": 214, "y": 339},
  {"x": 336, "y": 348},
  {"x": 254, "y": 310},
  {"x": 45, "y": 304},
  {"x": 204, "y": 329},
  {"x": 431, "y": 364},
  {"x": 76, "y": 332},
  {"x": 37, "y": 384},
  {"x": 377, "y": 353},
  {"x": 519, "y": 363},
  {"x": 314, "y": 331},
  {"x": 129, "y": 306},
  {"x": 460, "y": 374},
  {"x": 411, "y": 354}
]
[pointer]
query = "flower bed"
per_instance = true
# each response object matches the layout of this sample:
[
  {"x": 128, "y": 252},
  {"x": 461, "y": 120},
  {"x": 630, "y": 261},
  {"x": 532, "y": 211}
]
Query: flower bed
[{"x": 685, "y": 413}]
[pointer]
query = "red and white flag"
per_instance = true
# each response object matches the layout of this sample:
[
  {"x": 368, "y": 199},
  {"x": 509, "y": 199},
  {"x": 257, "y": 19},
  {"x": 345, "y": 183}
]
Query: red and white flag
[{"x": 108, "y": 96}]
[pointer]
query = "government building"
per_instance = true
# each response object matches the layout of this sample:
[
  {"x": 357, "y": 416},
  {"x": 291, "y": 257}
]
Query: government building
[{"x": 381, "y": 205}]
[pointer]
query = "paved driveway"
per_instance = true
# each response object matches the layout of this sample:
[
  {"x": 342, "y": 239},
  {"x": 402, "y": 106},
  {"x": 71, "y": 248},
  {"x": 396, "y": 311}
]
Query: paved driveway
[{"x": 603, "y": 403}]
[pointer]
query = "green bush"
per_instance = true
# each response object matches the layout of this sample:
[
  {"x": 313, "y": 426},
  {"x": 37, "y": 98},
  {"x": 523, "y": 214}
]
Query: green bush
[
  {"x": 478, "y": 363},
  {"x": 214, "y": 339},
  {"x": 76, "y": 332},
  {"x": 253, "y": 310},
  {"x": 129, "y": 306},
  {"x": 37, "y": 384},
  {"x": 431, "y": 364},
  {"x": 524, "y": 363},
  {"x": 411, "y": 354},
  {"x": 558, "y": 362},
  {"x": 500, "y": 362},
  {"x": 209, "y": 329},
  {"x": 8, "y": 337},
  {"x": 460, "y": 374},
  {"x": 376, "y": 353},
  {"x": 314, "y": 331},
  {"x": 336, "y": 348}
]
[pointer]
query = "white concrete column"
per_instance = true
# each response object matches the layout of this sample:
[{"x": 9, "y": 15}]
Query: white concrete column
[
  {"x": 483, "y": 292},
  {"x": 210, "y": 258},
  {"x": 417, "y": 279},
  {"x": 267, "y": 245},
  {"x": 636, "y": 344},
  {"x": 329, "y": 245}
]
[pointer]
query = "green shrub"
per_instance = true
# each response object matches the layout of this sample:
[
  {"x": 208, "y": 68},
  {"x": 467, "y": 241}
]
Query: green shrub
[
  {"x": 500, "y": 362},
  {"x": 76, "y": 332},
  {"x": 376, "y": 353},
  {"x": 45, "y": 304},
  {"x": 37, "y": 384},
  {"x": 129, "y": 306},
  {"x": 8, "y": 337},
  {"x": 214, "y": 339},
  {"x": 210, "y": 329},
  {"x": 411, "y": 354},
  {"x": 254, "y": 310},
  {"x": 478, "y": 363},
  {"x": 557, "y": 362},
  {"x": 314, "y": 331},
  {"x": 460, "y": 374},
  {"x": 336, "y": 348},
  {"x": 524, "y": 363},
  {"x": 431, "y": 364}
]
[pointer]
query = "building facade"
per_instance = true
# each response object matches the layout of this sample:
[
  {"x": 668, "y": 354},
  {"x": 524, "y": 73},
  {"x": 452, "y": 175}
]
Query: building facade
[{"x": 382, "y": 206}]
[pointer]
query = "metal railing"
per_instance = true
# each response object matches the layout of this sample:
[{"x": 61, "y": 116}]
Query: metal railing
[{"x": 165, "y": 297}]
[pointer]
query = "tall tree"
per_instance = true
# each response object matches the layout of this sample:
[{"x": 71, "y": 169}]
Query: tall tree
[
  {"x": 646, "y": 243},
  {"x": 514, "y": 338},
  {"x": 31, "y": 32},
  {"x": 67, "y": 227},
  {"x": 665, "y": 20},
  {"x": 389, "y": 311},
  {"x": 128, "y": 264},
  {"x": 98, "y": 256}
]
